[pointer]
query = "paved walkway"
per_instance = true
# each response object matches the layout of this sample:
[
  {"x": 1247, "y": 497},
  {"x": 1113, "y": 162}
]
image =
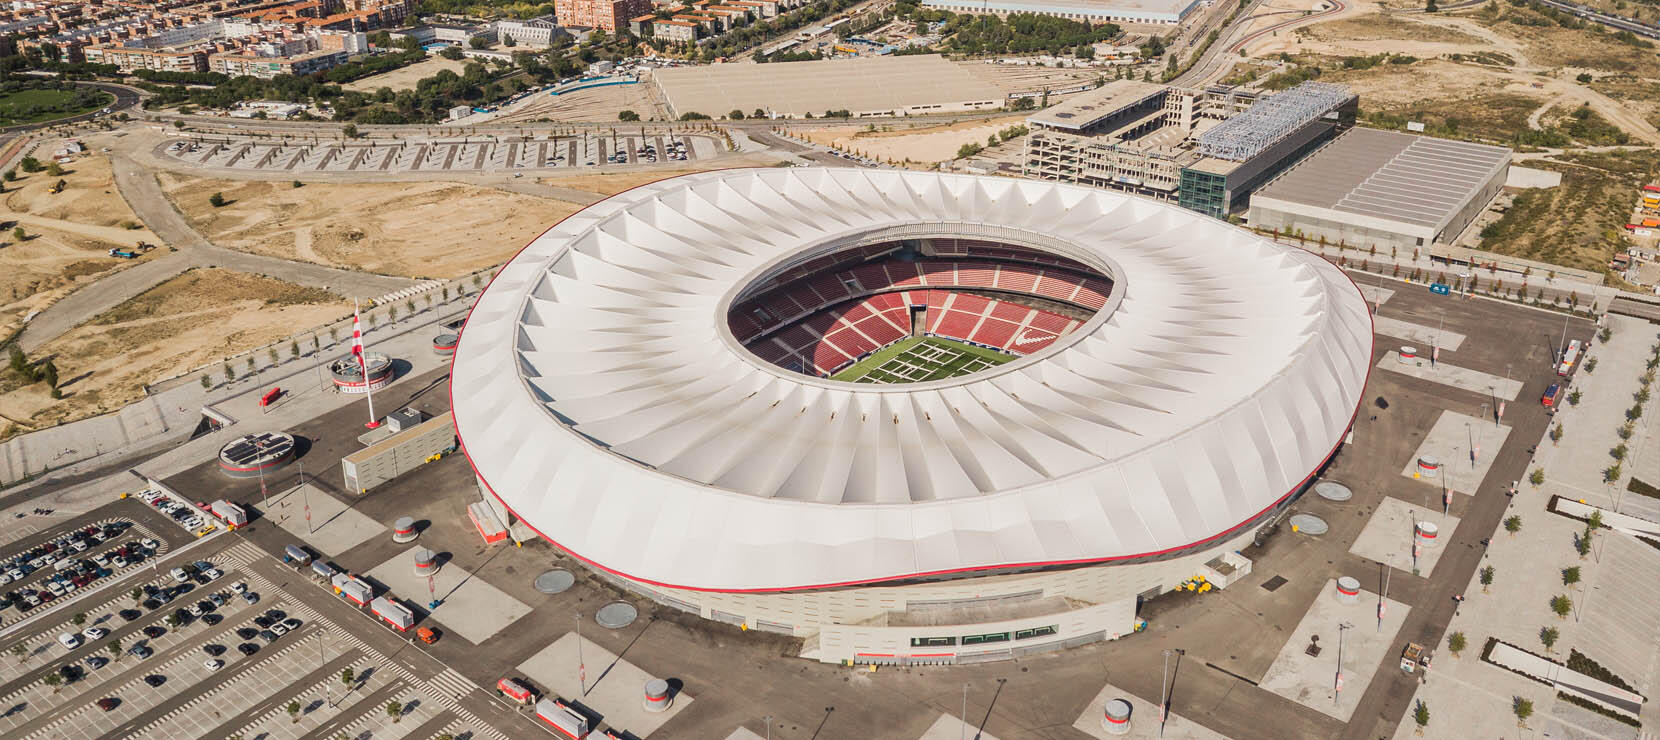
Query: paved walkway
[{"x": 148, "y": 202}]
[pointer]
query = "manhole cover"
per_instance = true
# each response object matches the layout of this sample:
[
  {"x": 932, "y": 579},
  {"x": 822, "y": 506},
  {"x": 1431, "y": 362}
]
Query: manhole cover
[
  {"x": 1308, "y": 524},
  {"x": 554, "y": 581},
  {"x": 1274, "y": 583},
  {"x": 1332, "y": 491},
  {"x": 616, "y": 615}
]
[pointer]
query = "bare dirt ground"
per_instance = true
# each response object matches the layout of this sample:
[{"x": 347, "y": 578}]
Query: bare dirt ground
[
  {"x": 926, "y": 144},
  {"x": 404, "y": 78},
  {"x": 413, "y": 229},
  {"x": 68, "y": 236},
  {"x": 593, "y": 104},
  {"x": 179, "y": 324}
]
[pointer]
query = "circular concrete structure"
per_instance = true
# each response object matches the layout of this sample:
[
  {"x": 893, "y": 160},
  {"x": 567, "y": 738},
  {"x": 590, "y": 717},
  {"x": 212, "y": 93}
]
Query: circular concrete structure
[
  {"x": 1429, "y": 466},
  {"x": 616, "y": 615},
  {"x": 253, "y": 455},
  {"x": 556, "y": 581},
  {"x": 444, "y": 344},
  {"x": 403, "y": 530},
  {"x": 1115, "y": 718},
  {"x": 657, "y": 695},
  {"x": 1348, "y": 590},
  {"x": 1309, "y": 524},
  {"x": 426, "y": 562},
  {"x": 624, "y": 389},
  {"x": 1333, "y": 491},
  {"x": 349, "y": 376},
  {"x": 1426, "y": 533},
  {"x": 1408, "y": 355}
]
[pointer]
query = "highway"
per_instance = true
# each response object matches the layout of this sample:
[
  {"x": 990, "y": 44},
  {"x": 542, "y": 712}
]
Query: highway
[
  {"x": 1612, "y": 21},
  {"x": 125, "y": 97}
]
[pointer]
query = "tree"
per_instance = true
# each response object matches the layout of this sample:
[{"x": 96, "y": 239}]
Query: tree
[
  {"x": 294, "y": 348},
  {"x": 1523, "y": 709},
  {"x": 79, "y": 619},
  {"x": 230, "y": 374},
  {"x": 173, "y": 619},
  {"x": 1537, "y": 477},
  {"x": 392, "y": 314},
  {"x": 452, "y": 53},
  {"x": 294, "y": 711},
  {"x": 735, "y": 114},
  {"x": 1486, "y": 578},
  {"x": 628, "y": 115},
  {"x": 54, "y": 680},
  {"x": 18, "y": 651},
  {"x": 216, "y": 200},
  {"x": 346, "y": 677},
  {"x": 478, "y": 42},
  {"x": 19, "y": 234},
  {"x": 1561, "y": 605},
  {"x": 1456, "y": 643},
  {"x": 395, "y": 711},
  {"x": 30, "y": 164},
  {"x": 207, "y": 383},
  {"x": 1584, "y": 77},
  {"x": 1513, "y": 524},
  {"x": 758, "y": 113},
  {"x": 509, "y": 42},
  {"x": 350, "y": 129},
  {"x": 272, "y": 353},
  {"x": 296, "y": 184},
  {"x": 1574, "y": 397},
  {"x": 1420, "y": 716},
  {"x": 1570, "y": 576},
  {"x": 54, "y": 169},
  {"x": 114, "y": 646},
  {"x": 1547, "y": 637},
  {"x": 137, "y": 594},
  {"x": 1556, "y": 433}
]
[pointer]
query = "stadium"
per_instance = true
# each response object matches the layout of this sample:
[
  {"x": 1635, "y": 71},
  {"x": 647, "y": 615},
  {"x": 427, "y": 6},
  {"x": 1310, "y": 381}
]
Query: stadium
[{"x": 908, "y": 417}]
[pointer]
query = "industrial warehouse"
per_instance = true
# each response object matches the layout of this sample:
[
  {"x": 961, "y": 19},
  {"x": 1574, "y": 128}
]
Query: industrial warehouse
[
  {"x": 864, "y": 86},
  {"x": 1205, "y": 149},
  {"x": 1020, "y": 479},
  {"x": 1385, "y": 189}
]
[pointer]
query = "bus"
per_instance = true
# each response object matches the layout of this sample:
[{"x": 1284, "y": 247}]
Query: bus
[{"x": 1570, "y": 357}]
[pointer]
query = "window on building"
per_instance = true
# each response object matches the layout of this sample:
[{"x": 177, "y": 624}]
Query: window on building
[
  {"x": 1036, "y": 632},
  {"x": 983, "y": 639},
  {"x": 933, "y": 641}
]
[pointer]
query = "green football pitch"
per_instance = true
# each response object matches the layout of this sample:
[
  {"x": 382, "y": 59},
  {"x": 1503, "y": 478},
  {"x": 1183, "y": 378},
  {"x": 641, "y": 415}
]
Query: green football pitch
[{"x": 921, "y": 359}]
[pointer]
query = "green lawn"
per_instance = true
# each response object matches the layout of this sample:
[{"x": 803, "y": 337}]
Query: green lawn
[
  {"x": 45, "y": 104},
  {"x": 921, "y": 359}
]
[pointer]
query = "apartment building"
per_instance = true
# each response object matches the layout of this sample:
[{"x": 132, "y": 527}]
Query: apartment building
[{"x": 610, "y": 15}]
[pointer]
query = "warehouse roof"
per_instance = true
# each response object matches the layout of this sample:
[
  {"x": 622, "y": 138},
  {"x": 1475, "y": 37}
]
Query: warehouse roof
[
  {"x": 861, "y": 85},
  {"x": 1091, "y": 107},
  {"x": 1415, "y": 180}
]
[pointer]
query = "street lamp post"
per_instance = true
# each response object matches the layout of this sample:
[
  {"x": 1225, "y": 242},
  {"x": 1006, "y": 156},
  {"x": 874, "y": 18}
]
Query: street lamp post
[
  {"x": 1337, "y": 685},
  {"x": 963, "y": 731},
  {"x": 768, "y": 719}
]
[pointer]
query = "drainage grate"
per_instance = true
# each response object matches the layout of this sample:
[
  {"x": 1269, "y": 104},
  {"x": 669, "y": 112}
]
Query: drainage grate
[{"x": 1273, "y": 584}]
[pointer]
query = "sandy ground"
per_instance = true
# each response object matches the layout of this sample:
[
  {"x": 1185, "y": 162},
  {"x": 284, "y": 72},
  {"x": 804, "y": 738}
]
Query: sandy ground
[
  {"x": 69, "y": 236},
  {"x": 415, "y": 229},
  {"x": 928, "y": 144},
  {"x": 404, "y": 78},
  {"x": 593, "y": 104},
  {"x": 180, "y": 324}
]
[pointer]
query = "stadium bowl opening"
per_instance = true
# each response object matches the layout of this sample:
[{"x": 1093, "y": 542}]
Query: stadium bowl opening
[{"x": 922, "y": 303}]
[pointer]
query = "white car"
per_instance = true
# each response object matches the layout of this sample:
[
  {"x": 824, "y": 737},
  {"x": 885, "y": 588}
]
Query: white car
[
  {"x": 56, "y": 587},
  {"x": 179, "y": 575},
  {"x": 211, "y": 573},
  {"x": 5, "y": 579},
  {"x": 239, "y": 587},
  {"x": 69, "y": 640},
  {"x": 119, "y": 562},
  {"x": 149, "y": 544},
  {"x": 94, "y": 633},
  {"x": 279, "y": 629},
  {"x": 214, "y": 665}
]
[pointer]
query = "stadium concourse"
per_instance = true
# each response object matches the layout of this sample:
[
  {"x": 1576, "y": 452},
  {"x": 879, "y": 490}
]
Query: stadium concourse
[{"x": 1110, "y": 396}]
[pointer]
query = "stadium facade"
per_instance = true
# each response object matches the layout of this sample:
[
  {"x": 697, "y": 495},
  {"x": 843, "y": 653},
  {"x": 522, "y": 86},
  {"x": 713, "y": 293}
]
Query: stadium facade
[{"x": 619, "y": 392}]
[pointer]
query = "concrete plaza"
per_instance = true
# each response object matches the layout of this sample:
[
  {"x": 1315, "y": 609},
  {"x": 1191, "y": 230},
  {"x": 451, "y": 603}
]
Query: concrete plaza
[
  {"x": 1387, "y": 537},
  {"x": 613, "y": 690},
  {"x": 472, "y": 609},
  {"x": 1451, "y": 375},
  {"x": 1450, "y": 441},
  {"x": 1366, "y": 642},
  {"x": 1144, "y": 719},
  {"x": 334, "y": 527}
]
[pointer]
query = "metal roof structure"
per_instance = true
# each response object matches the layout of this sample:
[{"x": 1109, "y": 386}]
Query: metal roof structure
[
  {"x": 1270, "y": 119},
  {"x": 1416, "y": 180},
  {"x": 601, "y": 396}
]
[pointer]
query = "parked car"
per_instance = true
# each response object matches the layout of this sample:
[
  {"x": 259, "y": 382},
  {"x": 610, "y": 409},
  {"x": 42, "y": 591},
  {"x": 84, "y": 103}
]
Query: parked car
[
  {"x": 94, "y": 633},
  {"x": 109, "y": 702},
  {"x": 155, "y": 680},
  {"x": 247, "y": 648}
]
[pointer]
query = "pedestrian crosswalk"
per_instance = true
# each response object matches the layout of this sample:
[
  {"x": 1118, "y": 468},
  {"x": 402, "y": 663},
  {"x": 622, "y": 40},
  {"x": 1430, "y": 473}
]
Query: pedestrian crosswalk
[
  {"x": 242, "y": 553},
  {"x": 452, "y": 684}
]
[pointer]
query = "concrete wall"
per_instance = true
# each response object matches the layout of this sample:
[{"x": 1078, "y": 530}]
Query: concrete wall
[{"x": 1461, "y": 220}]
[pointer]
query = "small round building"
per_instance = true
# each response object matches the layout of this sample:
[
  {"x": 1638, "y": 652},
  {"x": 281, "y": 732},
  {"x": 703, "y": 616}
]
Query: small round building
[
  {"x": 855, "y": 406},
  {"x": 349, "y": 376},
  {"x": 253, "y": 455}
]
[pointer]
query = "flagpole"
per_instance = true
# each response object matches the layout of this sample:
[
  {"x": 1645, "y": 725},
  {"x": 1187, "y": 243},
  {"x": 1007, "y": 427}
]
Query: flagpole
[{"x": 363, "y": 365}]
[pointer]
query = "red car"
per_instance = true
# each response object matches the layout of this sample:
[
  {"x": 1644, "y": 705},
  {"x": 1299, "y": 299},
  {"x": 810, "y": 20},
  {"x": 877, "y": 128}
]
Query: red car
[{"x": 109, "y": 702}]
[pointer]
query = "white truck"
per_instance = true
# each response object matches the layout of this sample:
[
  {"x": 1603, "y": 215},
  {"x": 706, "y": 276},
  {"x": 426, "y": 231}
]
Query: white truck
[{"x": 233, "y": 515}]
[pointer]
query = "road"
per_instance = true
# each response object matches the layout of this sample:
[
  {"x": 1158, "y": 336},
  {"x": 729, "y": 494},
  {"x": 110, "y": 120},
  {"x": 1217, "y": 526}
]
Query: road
[
  {"x": 125, "y": 97},
  {"x": 1219, "y": 58},
  {"x": 144, "y": 195}
]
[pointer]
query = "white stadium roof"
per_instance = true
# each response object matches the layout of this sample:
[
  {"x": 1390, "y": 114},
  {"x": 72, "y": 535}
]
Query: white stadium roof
[{"x": 600, "y": 395}]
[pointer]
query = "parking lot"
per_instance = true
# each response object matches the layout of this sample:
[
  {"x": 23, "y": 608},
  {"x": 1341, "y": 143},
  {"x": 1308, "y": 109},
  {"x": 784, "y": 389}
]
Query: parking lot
[{"x": 461, "y": 155}]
